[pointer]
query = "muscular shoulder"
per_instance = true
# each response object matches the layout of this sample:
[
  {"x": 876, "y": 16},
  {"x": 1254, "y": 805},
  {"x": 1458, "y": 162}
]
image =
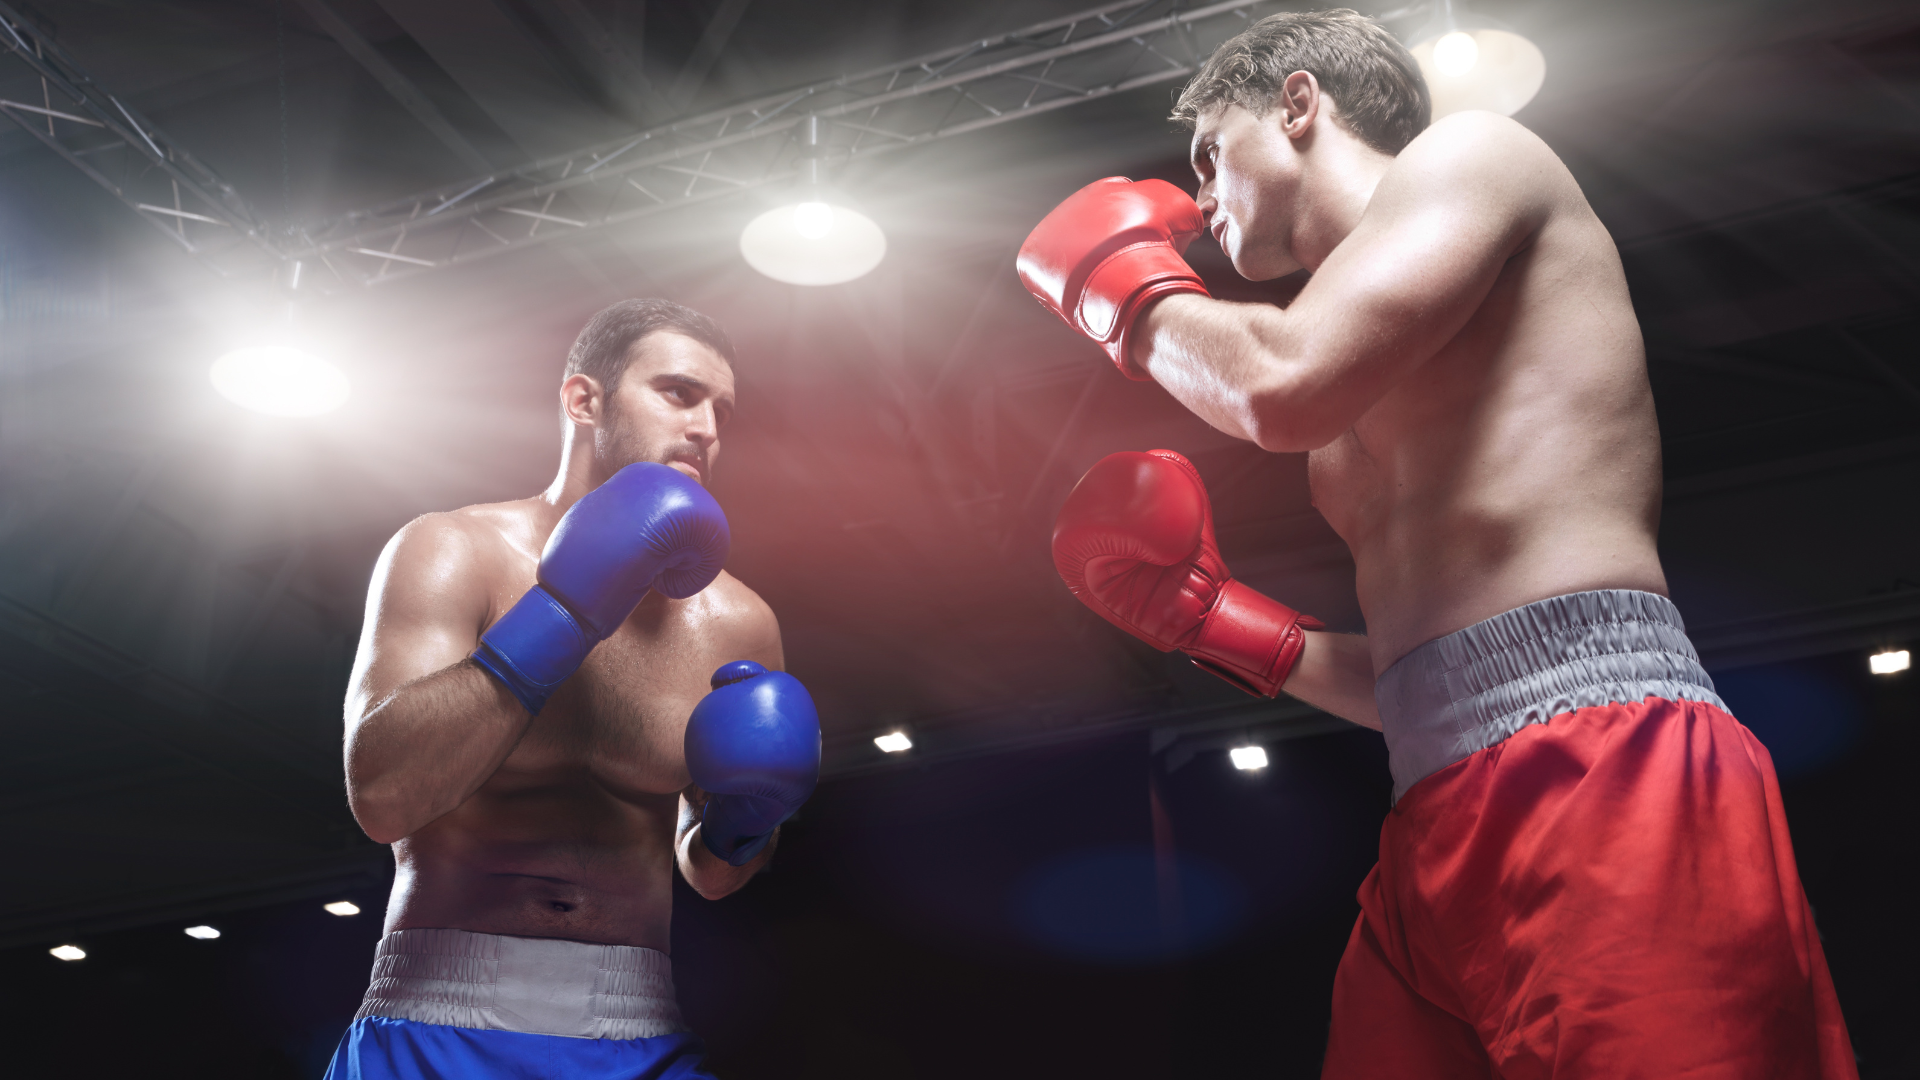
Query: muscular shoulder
[
  {"x": 1481, "y": 160},
  {"x": 742, "y": 624},
  {"x": 463, "y": 548}
]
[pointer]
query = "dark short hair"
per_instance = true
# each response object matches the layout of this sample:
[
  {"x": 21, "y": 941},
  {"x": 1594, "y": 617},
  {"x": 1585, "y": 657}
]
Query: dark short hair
[
  {"x": 605, "y": 345},
  {"x": 1375, "y": 84}
]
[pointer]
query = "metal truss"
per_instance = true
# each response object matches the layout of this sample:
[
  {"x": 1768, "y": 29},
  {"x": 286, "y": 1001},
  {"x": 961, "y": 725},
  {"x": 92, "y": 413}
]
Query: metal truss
[
  {"x": 763, "y": 142},
  {"x": 767, "y": 141},
  {"x": 123, "y": 152}
]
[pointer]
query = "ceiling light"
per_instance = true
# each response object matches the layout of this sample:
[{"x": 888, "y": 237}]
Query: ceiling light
[
  {"x": 279, "y": 381},
  {"x": 1455, "y": 54},
  {"x": 1889, "y": 662},
  {"x": 813, "y": 243},
  {"x": 68, "y": 952},
  {"x": 343, "y": 907},
  {"x": 1248, "y": 757},
  {"x": 204, "y": 933},
  {"x": 894, "y": 742},
  {"x": 1475, "y": 63},
  {"x": 816, "y": 236}
]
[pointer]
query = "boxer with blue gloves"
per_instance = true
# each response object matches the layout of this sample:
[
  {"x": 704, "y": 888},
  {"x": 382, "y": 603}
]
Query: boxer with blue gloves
[{"x": 556, "y": 701}]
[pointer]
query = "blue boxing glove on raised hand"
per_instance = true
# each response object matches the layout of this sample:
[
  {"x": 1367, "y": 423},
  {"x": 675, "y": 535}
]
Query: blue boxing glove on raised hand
[
  {"x": 754, "y": 746},
  {"x": 648, "y": 527}
]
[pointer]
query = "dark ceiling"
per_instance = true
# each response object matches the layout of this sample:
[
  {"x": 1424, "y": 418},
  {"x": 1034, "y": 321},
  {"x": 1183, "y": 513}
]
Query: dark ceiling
[{"x": 181, "y": 584}]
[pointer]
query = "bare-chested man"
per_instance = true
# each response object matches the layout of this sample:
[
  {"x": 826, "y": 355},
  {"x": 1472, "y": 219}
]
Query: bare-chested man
[
  {"x": 1587, "y": 870},
  {"x": 529, "y": 725}
]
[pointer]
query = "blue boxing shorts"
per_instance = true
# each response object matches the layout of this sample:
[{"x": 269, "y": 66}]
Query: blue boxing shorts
[{"x": 449, "y": 1003}]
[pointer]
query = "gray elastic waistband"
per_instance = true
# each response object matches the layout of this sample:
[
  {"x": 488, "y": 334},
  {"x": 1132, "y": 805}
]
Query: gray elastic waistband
[
  {"x": 1469, "y": 690},
  {"x": 536, "y": 985}
]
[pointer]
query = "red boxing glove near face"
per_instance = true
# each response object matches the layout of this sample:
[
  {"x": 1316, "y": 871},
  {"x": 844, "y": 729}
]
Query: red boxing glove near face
[
  {"x": 1102, "y": 255},
  {"x": 1135, "y": 543}
]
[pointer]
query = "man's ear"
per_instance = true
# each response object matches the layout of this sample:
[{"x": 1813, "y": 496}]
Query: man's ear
[
  {"x": 1299, "y": 103},
  {"x": 582, "y": 401}
]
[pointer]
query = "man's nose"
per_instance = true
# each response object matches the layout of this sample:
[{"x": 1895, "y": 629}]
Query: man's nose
[{"x": 703, "y": 424}]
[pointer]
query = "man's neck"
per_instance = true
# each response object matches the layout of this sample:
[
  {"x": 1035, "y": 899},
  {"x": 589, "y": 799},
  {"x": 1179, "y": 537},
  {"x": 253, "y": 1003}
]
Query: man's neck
[
  {"x": 576, "y": 476},
  {"x": 1337, "y": 186}
]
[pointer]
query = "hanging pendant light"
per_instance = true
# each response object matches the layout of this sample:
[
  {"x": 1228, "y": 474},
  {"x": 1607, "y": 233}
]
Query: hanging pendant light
[
  {"x": 1475, "y": 63},
  {"x": 816, "y": 236}
]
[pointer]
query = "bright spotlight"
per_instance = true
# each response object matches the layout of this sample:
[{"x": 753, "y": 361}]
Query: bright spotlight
[
  {"x": 1248, "y": 757},
  {"x": 813, "y": 220},
  {"x": 813, "y": 243},
  {"x": 894, "y": 742},
  {"x": 1889, "y": 662},
  {"x": 1455, "y": 53},
  {"x": 68, "y": 952},
  {"x": 204, "y": 933},
  {"x": 343, "y": 907},
  {"x": 279, "y": 381},
  {"x": 1471, "y": 62}
]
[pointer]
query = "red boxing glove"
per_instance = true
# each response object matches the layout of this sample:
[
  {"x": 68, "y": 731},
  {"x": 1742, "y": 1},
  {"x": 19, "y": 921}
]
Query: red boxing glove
[
  {"x": 1102, "y": 255},
  {"x": 1135, "y": 543}
]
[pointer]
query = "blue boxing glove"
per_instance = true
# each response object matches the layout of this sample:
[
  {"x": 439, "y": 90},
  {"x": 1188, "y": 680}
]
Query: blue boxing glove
[
  {"x": 754, "y": 746},
  {"x": 648, "y": 526}
]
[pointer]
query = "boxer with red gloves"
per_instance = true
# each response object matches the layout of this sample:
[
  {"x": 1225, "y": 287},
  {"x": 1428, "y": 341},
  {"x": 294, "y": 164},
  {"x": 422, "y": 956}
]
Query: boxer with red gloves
[
  {"x": 532, "y": 726},
  {"x": 1587, "y": 871}
]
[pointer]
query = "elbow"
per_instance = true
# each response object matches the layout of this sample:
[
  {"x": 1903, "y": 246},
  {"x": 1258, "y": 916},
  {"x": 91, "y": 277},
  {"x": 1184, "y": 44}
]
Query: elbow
[
  {"x": 381, "y": 824},
  {"x": 715, "y": 891},
  {"x": 381, "y": 813},
  {"x": 1284, "y": 417}
]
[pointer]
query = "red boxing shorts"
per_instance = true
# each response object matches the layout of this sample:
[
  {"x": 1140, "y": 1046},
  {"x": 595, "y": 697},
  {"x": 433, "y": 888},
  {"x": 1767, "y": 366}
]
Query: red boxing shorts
[{"x": 1586, "y": 872}]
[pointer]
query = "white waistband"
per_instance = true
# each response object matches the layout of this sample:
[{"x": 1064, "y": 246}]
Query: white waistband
[
  {"x": 1464, "y": 692},
  {"x": 539, "y": 985}
]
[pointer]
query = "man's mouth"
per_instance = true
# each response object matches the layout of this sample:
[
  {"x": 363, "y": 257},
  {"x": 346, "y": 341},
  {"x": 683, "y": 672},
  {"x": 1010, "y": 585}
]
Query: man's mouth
[
  {"x": 1219, "y": 231},
  {"x": 689, "y": 464}
]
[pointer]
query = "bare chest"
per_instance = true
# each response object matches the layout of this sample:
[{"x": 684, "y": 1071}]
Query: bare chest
[
  {"x": 1552, "y": 351},
  {"x": 620, "y": 722}
]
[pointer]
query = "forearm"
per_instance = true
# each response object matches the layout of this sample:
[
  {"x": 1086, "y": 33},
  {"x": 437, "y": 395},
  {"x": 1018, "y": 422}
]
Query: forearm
[
  {"x": 423, "y": 749},
  {"x": 1335, "y": 674},
  {"x": 1240, "y": 367},
  {"x": 710, "y": 875}
]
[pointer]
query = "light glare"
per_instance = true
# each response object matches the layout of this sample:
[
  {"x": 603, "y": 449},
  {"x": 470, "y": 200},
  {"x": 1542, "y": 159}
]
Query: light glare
[
  {"x": 1889, "y": 662},
  {"x": 813, "y": 243},
  {"x": 1483, "y": 68},
  {"x": 204, "y": 933},
  {"x": 1248, "y": 757},
  {"x": 813, "y": 220},
  {"x": 894, "y": 742},
  {"x": 68, "y": 952},
  {"x": 1456, "y": 53},
  {"x": 279, "y": 381},
  {"x": 343, "y": 907}
]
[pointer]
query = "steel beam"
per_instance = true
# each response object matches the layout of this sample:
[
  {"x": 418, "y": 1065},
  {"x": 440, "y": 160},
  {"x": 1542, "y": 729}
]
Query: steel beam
[
  {"x": 122, "y": 151},
  {"x": 395, "y": 83},
  {"x": 729, "y": 151}
]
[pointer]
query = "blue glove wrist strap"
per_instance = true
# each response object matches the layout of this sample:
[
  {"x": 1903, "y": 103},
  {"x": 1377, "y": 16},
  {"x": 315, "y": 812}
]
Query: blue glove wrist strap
[{"x": 534, "y": 647}]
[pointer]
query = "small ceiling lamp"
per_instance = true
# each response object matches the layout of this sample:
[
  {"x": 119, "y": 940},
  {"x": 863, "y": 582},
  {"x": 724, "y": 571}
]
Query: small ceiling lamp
[
  {"x": 816, "y": 237},
  {"x": 1475, "y": 63},
  {"x": 279, "y": 381}
]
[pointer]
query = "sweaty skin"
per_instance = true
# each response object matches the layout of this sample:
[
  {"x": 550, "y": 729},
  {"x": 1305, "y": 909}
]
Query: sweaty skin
[
  {"x": 568, "y": 824},
  {"x": 1463, "y": 368}
]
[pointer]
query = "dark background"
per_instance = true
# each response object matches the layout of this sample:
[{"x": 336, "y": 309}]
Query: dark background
[{"x": 180, "y": 583}]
